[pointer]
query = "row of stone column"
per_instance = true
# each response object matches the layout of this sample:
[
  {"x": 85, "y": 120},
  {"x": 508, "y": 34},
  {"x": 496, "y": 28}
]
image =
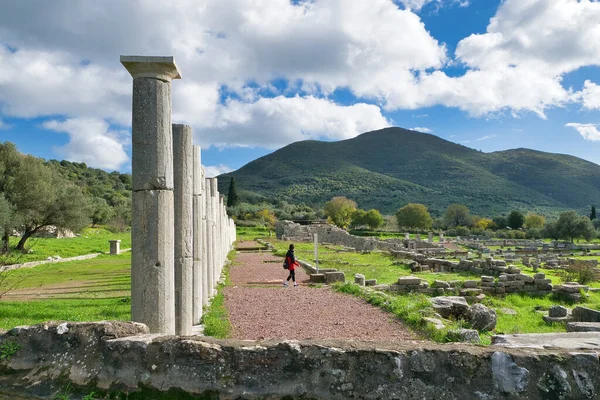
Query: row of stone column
[{"x": 181, "y": 233}]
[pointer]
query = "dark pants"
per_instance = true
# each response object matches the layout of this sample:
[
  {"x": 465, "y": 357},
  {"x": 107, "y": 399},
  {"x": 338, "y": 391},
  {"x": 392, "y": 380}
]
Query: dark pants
[{"x": 292, "y": 275}]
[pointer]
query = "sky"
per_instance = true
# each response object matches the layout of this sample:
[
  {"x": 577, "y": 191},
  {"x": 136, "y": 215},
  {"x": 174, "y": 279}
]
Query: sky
[{"x": 258, "y": 75}]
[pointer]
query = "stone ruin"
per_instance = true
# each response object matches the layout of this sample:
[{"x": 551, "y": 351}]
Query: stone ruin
[
  {"x": 181, "y": 233},
  {"x": 290, "y": 231}
]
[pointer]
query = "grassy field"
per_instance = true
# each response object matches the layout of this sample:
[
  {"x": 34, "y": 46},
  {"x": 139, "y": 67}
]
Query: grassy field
[
  {"x": 252, "y": 232},
  {"x": 91, "y": 240},
  {"x": 89, "y": 290}
]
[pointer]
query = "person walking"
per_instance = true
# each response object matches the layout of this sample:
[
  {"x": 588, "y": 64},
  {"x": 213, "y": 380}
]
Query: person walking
[{"x": 292, "y": 263}]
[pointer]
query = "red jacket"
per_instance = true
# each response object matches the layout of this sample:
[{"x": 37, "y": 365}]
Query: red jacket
[{"x": 291, "y": 260}]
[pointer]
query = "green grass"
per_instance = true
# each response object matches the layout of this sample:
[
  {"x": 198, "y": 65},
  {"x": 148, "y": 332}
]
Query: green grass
[
  {"x": 216, "y": 318},
  {"x": 88, "y": 290},
  {"x": 92, "y": 240},
  {"x": 17, "y": 313},
  {"x": 252, "y": 232}
]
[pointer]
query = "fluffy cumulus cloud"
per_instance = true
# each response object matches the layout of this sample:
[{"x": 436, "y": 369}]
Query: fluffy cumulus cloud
[
  {"x": 212, "y": 171},
  {"x": 587, "y": 131},
  {"x": 61, "y": 58},
  {"x": 274, "y": 122},
  {"x": 92, "y": 142},
  {"x": 421, "y": 129},
  {"x": 590, "y": 96}
]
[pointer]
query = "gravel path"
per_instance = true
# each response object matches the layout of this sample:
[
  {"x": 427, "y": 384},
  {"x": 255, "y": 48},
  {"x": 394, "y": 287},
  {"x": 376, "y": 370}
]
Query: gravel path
[{"x": 261, "y": 308}]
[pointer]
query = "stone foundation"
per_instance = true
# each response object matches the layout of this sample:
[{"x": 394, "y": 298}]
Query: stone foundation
[{"x": 100, "y": 357}]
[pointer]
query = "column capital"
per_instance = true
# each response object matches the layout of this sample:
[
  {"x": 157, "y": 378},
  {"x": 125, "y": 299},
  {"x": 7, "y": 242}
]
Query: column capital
[{"x": 163, "y": 68}]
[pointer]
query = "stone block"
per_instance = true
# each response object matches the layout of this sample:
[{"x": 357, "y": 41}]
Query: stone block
[
  {"x": 488, "y": 284},
  {"x": 332, "y": 277},
  {"x": 525, "y": 278},
  {"x": 584, "y": 314},
  {"x": 469, "y": 292},
  {"x": 503, "y": 278},
  {"x": 409, "y": 280},
  {"x": 583, "y": 326},
  {"x": 487, "y": 279},
  {"x": 448, "y": 306},
  {"x": 470, "y": 284},
  {"x": 539, "y": 276},
  {"x": 359, "y": 279},
  {"x": 557, "y": 311},
  {"x": 370, "y": 282},
  {"x": 464, "y": 335},
  {"x": 571, "y": 288},
  {"x": 441, "y": 284}
]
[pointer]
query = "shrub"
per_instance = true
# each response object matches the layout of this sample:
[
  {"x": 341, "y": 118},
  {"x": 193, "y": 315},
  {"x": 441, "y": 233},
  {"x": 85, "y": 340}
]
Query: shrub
[{"x": 579, "y": 271}]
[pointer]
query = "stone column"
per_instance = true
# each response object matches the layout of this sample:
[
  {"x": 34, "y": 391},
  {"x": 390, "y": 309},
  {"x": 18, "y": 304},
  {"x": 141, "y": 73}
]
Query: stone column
[
  {"x": 152, "y": 230},
  {"x": 430, "y": 237},
  {"x": 183, "y": 172},
  {"x": 205, "y": 242},
  {"x": 214, "y": 193},
  {"x": 198, "y": 277},
  {"x": 210, "y": 239},
  {"x": 221, "y": 232},
  {"x": 115, "y": 247}
]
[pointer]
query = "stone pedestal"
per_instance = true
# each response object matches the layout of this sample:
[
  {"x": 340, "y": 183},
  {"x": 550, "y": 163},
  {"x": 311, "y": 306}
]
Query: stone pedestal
[
  {"x": 115, "y": 247},
  {"x": 152, "y": 231},
  {"x": 183, "y": 171}
]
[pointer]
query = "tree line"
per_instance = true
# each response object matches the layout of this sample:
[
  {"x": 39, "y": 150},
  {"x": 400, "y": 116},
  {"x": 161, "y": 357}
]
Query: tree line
[{"x": 457, "y": 220}]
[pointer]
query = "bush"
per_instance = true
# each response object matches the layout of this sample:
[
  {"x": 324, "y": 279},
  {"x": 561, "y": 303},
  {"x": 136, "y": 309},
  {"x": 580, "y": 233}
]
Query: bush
[{"x": 579, "y": 271}]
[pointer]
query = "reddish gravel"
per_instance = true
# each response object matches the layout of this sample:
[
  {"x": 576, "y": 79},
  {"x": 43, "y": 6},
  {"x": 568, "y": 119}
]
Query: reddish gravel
[{"x": 261, "y": 308}]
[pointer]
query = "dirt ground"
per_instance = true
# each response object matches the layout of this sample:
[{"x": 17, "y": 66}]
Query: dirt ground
[{"x": 260, "y": 307}]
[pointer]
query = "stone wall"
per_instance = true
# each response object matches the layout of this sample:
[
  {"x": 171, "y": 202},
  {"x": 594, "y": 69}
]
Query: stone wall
[{"x": 104, "y": 357}]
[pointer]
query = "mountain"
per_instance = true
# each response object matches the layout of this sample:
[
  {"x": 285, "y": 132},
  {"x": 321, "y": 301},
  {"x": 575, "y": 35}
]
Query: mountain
[{"x": 388, "y": 168}]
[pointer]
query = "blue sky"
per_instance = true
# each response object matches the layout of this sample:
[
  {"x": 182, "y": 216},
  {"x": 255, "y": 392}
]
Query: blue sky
[{"x": 257, "y": 76}]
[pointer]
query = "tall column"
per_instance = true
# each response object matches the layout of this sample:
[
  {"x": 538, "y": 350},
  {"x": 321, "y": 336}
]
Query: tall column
[
  {"x": 205, "y": 243},
  {"x": 210, "y": 239},
  {"x": 221, "y": 242},
  {"x": 198, "y": 277},
  {"x": 214, "y": 193},
  {"x": 152, "y": 229},
  {"x": 183, "y": 171}
]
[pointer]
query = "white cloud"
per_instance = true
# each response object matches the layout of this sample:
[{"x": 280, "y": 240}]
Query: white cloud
[
  {"x": 274, "y": 122},
  {"x": 417, "y": 5},
  {"x": 374, "y": 49},
  {"x": 486, "y": 137},
  {"x": 212, "y": 171},
  {"x": 3, "y": 125},
  {"x": 590, "y": 95},
  {"x": 92, "y": 142},
  {"x": 587, "y": 131},
  {"x": 421, "y": 129}
]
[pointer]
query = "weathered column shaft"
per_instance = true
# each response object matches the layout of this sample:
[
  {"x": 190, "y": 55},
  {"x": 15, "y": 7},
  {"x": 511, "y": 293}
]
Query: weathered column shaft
[
  {"x": 214, "y": 192},
  {"x": 210, "y": 249},
  {"x": 198, "y": 237},
  {"x": 205, "y": 242},
  {"x": 152, "y": 230},
  {"x": 183, "y": 171}
]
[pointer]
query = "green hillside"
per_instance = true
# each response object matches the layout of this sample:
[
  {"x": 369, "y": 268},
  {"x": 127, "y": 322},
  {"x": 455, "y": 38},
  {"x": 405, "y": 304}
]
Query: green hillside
[{"x": 388, "y": 168}]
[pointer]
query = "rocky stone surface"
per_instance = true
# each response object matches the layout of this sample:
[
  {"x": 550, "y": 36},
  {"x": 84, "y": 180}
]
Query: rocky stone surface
[
  {"x": 569, "y": 341},
  {"x": 583, "y": 326},
  {"x": 450, "y": 306},
  {"x": 94, "y": 357},
  {"x": 482, "y": 318},
  {"x": 584, "y": 314},
  {"x": 464, "y": 335},
  {"x": 557, "y": 311}
]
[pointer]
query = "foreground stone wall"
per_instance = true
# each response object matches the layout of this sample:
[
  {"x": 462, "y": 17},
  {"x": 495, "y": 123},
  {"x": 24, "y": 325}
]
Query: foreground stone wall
[{"x": 100, "y": 357}]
